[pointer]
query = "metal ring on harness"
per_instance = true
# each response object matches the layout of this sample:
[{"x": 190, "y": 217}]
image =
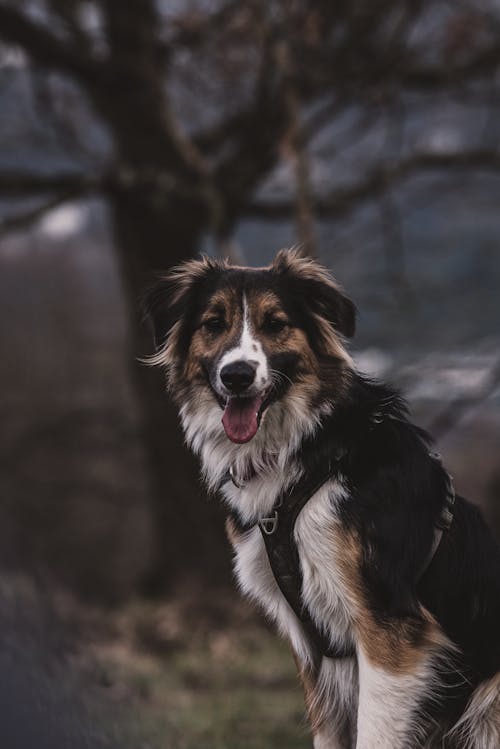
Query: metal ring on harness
[{"x": 269, "y": 525}]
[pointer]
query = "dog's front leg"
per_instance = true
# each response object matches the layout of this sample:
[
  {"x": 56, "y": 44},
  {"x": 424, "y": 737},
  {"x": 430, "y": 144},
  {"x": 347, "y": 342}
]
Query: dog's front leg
[
  {"x": 332, "y": 734},
  {"x": 389, "y": 701},
  {"x": 330, "y": 692}
]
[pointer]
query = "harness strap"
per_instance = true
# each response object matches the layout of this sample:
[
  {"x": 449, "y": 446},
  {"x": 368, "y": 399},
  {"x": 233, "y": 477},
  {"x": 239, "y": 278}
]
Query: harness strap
[
  {"x": 284, "y": 557},
  {"x": 277, "y": 533},
  {"x": 444, "y": 521}
]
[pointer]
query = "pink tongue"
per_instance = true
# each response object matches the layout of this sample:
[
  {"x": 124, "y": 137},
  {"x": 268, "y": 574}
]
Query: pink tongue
[{"x": 240, "y": 418}]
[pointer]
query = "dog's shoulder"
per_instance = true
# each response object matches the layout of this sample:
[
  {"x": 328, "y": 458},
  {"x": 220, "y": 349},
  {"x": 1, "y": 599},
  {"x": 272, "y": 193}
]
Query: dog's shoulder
[{"x": 395, "y": 491}]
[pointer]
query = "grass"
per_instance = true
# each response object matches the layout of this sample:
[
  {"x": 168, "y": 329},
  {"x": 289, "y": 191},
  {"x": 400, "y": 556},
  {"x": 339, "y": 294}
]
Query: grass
[{"x": 236, "y": 688}]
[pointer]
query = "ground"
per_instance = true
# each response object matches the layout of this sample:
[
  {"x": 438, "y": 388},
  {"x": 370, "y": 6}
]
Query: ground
[
  {"x": 238, "y": 691},
  {"x": 234, "y": 686},
  {"x": 143, "y": 676}
]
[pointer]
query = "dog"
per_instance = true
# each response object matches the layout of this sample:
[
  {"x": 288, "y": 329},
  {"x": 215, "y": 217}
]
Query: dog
[{"x": 345, "y": 526}]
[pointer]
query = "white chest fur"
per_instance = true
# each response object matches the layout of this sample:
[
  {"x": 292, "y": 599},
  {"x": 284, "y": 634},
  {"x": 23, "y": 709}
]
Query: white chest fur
[{"x": 323, "y": 589}]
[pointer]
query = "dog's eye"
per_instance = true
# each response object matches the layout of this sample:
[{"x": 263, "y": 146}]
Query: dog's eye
[
  {"x": 274, "y": 324},
  {"x": 214, "y": 325}
]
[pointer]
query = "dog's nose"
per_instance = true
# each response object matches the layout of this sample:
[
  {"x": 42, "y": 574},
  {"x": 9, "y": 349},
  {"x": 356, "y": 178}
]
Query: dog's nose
[{"x": 237, "y": 376}]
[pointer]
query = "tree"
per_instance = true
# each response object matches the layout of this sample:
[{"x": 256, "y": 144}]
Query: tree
[{"x": 272, "y": 75}]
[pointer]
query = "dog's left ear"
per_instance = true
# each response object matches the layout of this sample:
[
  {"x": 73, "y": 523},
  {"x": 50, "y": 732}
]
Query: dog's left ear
[
  {"x": 167, "y": 301},
  {"x": 334, "y": 306},
  {"x": 319, "y": 291}
]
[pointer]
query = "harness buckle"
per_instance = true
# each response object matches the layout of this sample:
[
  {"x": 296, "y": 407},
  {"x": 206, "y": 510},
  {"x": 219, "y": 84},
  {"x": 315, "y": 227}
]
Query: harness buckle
[{"x": 269, "y": 525}]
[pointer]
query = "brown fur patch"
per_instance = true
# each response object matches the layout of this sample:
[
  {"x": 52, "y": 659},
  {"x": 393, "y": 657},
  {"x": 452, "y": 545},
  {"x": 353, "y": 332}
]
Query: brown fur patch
[
  {"x": 289, "y": 340},
  {"x": 232, "y": 532},
  {"x": 261, "y": 305},
  {"x": 204, "y": 344},
  {"x": 399, "y": 645},
  {"x": 265, "y": 303},
  {"x": 308, "y": 679}
]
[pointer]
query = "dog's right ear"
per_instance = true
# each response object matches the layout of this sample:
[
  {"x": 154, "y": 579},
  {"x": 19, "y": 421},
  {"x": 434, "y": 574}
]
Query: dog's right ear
[
  {"x": 167, "y": 300},
  {"x": 158, "y": 309}
]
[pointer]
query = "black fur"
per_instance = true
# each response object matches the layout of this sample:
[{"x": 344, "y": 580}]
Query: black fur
[
  {"x": 397, "y": 491},
  {"x": 291, "y": 288},
  {"x": 396, "y": 486}
]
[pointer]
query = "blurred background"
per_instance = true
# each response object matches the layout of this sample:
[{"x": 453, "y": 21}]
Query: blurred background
[{"x": 135, "y": 134}]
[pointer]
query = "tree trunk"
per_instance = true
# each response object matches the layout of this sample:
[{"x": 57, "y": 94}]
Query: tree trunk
[{"x": 190, "y": 542}]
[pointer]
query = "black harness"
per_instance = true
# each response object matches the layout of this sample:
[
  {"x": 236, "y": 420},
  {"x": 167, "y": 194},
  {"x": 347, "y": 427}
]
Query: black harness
[
  {"x": 277, "y": 532},
  {"x": 278, "y": 535}
]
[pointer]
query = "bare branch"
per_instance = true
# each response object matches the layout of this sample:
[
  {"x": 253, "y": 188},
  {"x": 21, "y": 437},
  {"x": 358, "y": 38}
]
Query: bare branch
[
  {"x": 147, "y": 132},
  {"x": 431, "y": 77},
  {"x": 318, "y": 65},
  {"x": 323, "y": 117},
  {"x": 132, "y": 30},
  {"x": 256, "y": 145},
  {"x": 44, "y": 47},
  {"x": 343, "y": 200},
  {"x": 60, "y": 188},
  {"x": 389, "y": 213},
  {"x": 446, "y": 421},
  {"x": 26, "y": 219},
  {"x": 218, "y": 135},
  {"x": 192, "y": 30},
  {"x": 67, "y": 11},
  {"x": 23, "y": 184},
  {"x": 297, "y": 153}
]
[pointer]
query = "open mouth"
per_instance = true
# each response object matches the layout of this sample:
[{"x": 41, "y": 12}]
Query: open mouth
[{"x": 242, "y": 415}]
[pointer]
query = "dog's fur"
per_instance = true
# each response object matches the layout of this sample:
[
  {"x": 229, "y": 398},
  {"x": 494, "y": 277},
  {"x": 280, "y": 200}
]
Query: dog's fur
[{"x": 426, "y": 636}]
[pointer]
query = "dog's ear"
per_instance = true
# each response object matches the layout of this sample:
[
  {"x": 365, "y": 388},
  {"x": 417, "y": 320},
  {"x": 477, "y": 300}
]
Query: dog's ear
[
  {"x": 167, "y": 300},
  {"x": 316, "y": 287},
  {"x": 158, "y": 310}
]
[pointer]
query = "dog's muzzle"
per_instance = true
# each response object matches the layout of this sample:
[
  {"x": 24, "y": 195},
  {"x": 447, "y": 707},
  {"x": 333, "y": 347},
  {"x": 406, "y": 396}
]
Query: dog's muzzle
[
  {"x": 243, "y": 408},
  {"x": 238, "y": 376}
]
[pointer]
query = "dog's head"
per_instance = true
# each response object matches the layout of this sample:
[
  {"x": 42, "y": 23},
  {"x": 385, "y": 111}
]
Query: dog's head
[{"x": 247, "y": 343}]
